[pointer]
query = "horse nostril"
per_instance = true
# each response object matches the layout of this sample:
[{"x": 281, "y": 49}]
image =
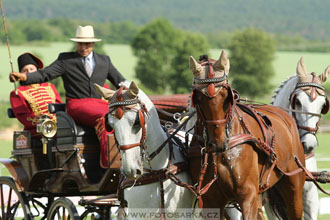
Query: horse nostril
[
  {"x": 307, "y": 148},
  {"x": 138, "y": 172}
]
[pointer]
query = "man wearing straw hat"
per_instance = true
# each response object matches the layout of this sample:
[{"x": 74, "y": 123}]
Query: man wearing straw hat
[{"x": 79, "y": 71}]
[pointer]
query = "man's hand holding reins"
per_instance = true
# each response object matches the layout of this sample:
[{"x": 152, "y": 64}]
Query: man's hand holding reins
[{"x": 15, "y": 76}]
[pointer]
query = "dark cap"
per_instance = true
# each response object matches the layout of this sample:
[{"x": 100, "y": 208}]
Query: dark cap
[{"x": 28, "y": 58}]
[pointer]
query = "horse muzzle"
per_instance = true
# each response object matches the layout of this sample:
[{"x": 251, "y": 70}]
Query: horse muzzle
[{"x": 309, "y": 142}]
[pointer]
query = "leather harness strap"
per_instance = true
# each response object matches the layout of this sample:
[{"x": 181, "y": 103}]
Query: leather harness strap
[
  {"x": 141, "y": 113},
  {"x": 154, "y": 176}
]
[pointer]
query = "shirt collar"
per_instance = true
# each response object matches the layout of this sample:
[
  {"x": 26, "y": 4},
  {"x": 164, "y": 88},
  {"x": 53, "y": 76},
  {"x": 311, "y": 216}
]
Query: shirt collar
[{"x": 90, "y": 56}]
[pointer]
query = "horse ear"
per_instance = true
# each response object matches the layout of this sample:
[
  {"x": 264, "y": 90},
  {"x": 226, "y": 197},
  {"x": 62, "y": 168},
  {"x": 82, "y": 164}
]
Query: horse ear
[
  {"x": 222, "y": 64},
  {"x": 301, "y": 69},
  {"x": 194, "y": 66},
  {"x": 133, "y": 90},
  {"x": 105, "y": 93},
  {"x": 324, "y": 76}
]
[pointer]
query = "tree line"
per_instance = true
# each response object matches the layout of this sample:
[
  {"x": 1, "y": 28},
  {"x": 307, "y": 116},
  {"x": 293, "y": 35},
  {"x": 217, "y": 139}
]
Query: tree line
[
  {"x": 60, "y": 29},
  {"x": 306, "y": 18}
]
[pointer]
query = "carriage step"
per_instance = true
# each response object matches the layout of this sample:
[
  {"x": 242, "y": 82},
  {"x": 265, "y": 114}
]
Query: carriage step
[{"x": 108, "y": 200}]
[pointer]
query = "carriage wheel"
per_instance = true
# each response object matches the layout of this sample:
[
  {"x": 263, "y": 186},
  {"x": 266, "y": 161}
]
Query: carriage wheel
[
  {"x": 90, "y": 213},
  {"x": 64, "y": 209},
  {"x": 14, "y": 204}
]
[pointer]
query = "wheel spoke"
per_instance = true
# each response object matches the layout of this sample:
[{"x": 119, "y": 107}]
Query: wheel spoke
[
  {"x": 64, "y": 214},
  {"x": 9, "y": 202},
  {"x": 12, "y": 201},
  {"x": 2, "y": 203},
  {"x": 14, "y": 210},
  {"x": 58, "y": 213}
]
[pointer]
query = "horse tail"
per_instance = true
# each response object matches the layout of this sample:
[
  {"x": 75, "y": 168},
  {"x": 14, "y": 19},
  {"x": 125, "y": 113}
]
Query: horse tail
[{"x": 276, "y": 203}]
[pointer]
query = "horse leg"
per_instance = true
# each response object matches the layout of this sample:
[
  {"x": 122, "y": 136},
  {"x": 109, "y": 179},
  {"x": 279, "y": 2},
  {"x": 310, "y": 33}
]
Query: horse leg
[
  {"x": 249, "y": 204},
  {"x": 292, "y": 188},
  {"x": 310, "y": 194}
]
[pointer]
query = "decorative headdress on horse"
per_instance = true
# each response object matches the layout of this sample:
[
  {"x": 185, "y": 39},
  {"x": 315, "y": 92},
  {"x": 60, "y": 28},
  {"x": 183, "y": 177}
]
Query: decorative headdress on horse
[
  {"x": 311, "y": 83},
  {"x": 123, "y": 97},
  {"x": 210, "y": 72}
]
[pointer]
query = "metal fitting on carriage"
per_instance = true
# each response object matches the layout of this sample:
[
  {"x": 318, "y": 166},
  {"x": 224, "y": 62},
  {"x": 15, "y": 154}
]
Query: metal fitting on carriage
[{"x": 47, "y": 127}]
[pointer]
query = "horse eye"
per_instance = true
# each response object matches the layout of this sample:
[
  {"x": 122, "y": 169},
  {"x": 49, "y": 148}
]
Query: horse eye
[{"x": 298, "y": 104}]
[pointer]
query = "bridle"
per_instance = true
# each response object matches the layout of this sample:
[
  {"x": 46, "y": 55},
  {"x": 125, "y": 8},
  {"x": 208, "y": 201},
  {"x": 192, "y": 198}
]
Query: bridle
[
  {"x": 208, "y": 88},
  {"x": 120, "y": 105},
  {"x": 311, "y": 85}
]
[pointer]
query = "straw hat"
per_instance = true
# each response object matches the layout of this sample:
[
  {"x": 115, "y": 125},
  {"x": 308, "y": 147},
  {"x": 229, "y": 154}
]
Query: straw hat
[
  {"x": 28, "y": 58},
  {"x": 85, "y": 34}
]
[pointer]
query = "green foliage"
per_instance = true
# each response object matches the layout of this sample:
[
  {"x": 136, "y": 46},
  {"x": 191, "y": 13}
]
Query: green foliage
[
  {"x": 61, "y": 29},
  {"x": 307, "y": 18},
  {"x": 252, "y": 52},
  {"x": 155, "y": 46},
  {"x": 5, "y": 121},
  {"x": 219, "y": 39},
  {"x": 181, "y": 77},
  {"x": 15, "y": 35}
]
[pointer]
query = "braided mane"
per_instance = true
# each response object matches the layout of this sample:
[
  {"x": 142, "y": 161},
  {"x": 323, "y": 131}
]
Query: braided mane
[{"x": 280, "y": 87}]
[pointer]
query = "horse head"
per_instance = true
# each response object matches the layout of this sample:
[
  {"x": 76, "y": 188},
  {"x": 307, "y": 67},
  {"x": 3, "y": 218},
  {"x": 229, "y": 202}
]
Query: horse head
[
  {"x": 130, "y": 112},
  {"x": 310, "y": 101},
  {"x": 213, "y": 97}
]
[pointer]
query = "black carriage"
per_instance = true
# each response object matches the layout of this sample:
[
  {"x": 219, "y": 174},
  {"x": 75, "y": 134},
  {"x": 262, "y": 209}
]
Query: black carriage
[{"x": 63, "y": 163}]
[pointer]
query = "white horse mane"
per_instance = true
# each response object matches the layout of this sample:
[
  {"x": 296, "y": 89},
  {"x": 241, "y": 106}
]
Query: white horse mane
[{"x": 282, "y": 93}]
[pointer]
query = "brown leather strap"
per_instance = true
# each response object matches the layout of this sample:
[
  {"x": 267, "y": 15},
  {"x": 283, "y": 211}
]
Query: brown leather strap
[
  {"x": 199, "y": 190},
  {"x": 322, "y": 177},
  {"x": 310, "y": 155},
  {"x": 141, "y": 113},
  {"x": 310, "y": 175},
  {"x": 153, "y": 176},
  {"x": 162, "y": 199},
  {"x": 128, "y": 146}
]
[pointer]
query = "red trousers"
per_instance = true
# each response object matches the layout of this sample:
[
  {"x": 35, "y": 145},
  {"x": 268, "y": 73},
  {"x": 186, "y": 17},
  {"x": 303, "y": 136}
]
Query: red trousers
[{"x": 91, "y": 112}]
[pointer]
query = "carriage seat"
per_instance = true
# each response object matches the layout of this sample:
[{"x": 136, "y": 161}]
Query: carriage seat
[{"x": 68, "y": 132}]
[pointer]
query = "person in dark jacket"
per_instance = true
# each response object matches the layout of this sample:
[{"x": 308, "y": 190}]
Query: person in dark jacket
[{"x": 79, "y": 71}]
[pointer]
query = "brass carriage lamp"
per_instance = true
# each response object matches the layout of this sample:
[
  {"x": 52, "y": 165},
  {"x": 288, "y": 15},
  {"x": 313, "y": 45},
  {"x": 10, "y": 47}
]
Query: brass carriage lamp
[{"x": 48, "y": 128}]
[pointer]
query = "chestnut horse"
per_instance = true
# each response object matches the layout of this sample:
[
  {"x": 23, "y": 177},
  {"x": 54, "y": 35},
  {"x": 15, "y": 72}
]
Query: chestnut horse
[{"x": 249, "y": 148}]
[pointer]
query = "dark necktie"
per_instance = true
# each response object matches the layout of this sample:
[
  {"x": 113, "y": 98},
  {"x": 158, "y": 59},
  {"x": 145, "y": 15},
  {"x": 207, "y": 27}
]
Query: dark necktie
[{"x": 88, "y": 67}]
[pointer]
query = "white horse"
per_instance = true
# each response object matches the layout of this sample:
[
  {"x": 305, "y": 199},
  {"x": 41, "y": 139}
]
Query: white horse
[
  {"x": 137, "y": 141},
  {"x": 305, "y": 94}
]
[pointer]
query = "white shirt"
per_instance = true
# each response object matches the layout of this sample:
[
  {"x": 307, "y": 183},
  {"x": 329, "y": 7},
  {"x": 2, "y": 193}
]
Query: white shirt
[{"x": 90, "y": 59}]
